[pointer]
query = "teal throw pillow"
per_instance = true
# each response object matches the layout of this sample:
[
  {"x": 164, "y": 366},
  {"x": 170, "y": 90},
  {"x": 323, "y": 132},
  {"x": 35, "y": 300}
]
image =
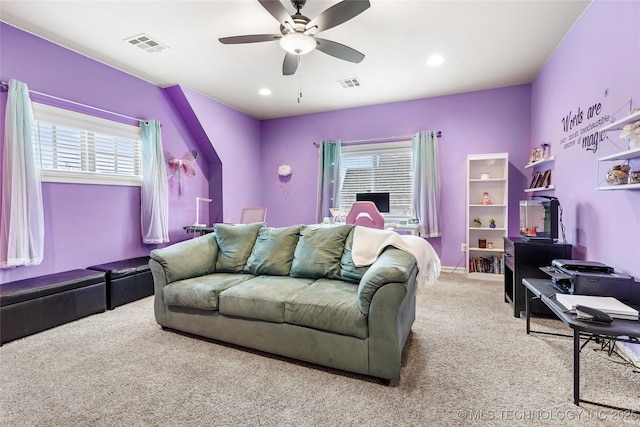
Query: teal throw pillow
[
  {"x": 272, "y": 253},
  {"x": 349, "y": 271},
  {"x": 235, "y": 243},
  {"x": 319, "y": 251}
]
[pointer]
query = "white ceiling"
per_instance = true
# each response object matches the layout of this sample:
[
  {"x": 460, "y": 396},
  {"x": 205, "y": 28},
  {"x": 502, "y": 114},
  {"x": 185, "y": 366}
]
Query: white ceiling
[{"x": 486, "y": 44}]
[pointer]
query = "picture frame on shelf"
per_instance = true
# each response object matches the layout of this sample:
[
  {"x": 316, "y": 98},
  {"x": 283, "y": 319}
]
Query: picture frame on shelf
[
  {"x": 546, "y": 178},
  {"x": 534, "y": 180}
]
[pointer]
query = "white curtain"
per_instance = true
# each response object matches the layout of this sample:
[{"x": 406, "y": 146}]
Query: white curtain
[
  {"x": 155, "y": 190},
  {"x": 426, "y": 183},
  {"x": 22, "y": 221}
]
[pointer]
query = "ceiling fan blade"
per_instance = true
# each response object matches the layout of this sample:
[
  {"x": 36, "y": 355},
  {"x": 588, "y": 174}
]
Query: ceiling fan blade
[
  {"x": 290, "y": 64},
  {"x": 338, "y": 13},
  {"x": 278, "y": 11},
  {"x": 339, "y": 51},
  {"x": 253, "y": 38}
]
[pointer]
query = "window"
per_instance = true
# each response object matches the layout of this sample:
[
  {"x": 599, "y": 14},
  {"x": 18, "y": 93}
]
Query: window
[
  {"x": 383, "y": 167},
  {"x": 75, "y": 147}
]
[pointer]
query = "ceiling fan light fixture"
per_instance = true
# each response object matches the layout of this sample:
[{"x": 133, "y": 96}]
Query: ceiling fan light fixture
[{"x": 298, "y": 43}]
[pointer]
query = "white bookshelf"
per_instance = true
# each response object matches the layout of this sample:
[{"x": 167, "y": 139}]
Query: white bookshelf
[{"x": 496, "y": 165}]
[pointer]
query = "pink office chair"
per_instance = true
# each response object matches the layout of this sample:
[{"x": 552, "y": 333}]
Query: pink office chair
[{"x": 365, "y": 214}]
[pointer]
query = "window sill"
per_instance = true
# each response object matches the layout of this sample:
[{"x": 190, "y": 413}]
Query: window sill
[{"x": 69, "y": 177}]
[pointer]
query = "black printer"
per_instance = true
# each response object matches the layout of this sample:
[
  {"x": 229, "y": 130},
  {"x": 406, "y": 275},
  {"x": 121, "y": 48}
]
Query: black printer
[{"x": 592, "y": 278}]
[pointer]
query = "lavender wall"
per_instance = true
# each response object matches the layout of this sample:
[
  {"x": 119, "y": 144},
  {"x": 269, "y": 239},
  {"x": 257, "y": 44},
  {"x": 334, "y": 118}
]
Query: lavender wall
[
  {"x": 487, "y": 121},
  {"x": 91, "y": 224},
  {"x": 597, "y": 63}
]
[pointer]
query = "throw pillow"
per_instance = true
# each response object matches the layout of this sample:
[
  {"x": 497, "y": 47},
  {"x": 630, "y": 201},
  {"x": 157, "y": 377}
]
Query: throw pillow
[
  {"x": 235, "y": 243},
  {"x": 273, "y": 251},
  {"x": 319, "y": 251},
  {"x": 349, "y": 271}
]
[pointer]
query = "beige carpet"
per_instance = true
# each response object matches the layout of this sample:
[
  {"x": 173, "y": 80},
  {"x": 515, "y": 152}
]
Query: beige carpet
[{"x": 467, "y": 362}]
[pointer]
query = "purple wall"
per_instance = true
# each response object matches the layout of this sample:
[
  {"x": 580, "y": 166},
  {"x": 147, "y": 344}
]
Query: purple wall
[
  {"x": 489, "y": 121},
  {"x": 600, "y": 54},
  {"x": 91, "y": 224}
]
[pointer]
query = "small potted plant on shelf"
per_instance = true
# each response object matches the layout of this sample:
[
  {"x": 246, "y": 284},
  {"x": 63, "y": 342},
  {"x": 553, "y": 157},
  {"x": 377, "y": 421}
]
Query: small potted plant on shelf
[
  {"x": 476, "y": 222},
  {"x": 492, "y": 223}
]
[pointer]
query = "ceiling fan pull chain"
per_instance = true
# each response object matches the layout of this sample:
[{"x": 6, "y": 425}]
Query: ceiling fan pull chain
[{"x": 299, "y": 78}]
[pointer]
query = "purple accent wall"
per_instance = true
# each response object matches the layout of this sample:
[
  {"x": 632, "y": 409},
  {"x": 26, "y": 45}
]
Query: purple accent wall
[
  {"x": 239, "y": 155},
  {"x": 600, "y": 54},
  {"x": 489, "y": 121},
  {"x": 92, "y": 224}
]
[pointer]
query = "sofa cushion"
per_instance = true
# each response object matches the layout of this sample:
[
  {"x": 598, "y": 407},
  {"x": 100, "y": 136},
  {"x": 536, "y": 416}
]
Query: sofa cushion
[
  {"x": 328, "y": 305},
  {"x": 348, "y": 269},
  {"x": 319, "y": 251},
  {"x": 235, "y": 243},
  {"x": 273, "y": 251},
  {"x": 261, "y": 298},
  {"x": 201, "y": 292}
]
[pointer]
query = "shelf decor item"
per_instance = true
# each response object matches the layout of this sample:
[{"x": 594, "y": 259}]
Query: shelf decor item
[
  {"x": 485, "y": 175},
  {"x": 632, "y": 132},
  {"x": 482, "y": 243},
  {"x": 486, "y": 200},
  {"x": 618, "y": 174},
  {"x": 492, "y": 223},
  {"x": 634, "y": 177},
  {"x": 477, "y": 222}
]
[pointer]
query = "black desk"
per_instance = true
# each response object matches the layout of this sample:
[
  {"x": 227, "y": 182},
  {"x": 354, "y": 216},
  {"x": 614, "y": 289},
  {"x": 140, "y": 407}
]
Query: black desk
[
  {"x": 198, "y": 229},
  {"x": 542, "y": 289}
]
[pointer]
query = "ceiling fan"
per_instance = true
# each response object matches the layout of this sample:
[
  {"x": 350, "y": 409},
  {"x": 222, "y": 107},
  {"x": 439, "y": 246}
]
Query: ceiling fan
[{"x": 297, "y": 32}]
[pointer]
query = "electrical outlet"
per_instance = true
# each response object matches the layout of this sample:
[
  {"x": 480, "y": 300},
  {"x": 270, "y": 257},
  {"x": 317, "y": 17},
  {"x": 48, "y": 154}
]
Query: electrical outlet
[{"x": 463, "y": 247}]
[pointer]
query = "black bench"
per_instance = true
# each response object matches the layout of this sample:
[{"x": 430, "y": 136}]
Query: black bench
[
  {"x": 33, "y": 305},
  {"x": 126, "y": 280}
]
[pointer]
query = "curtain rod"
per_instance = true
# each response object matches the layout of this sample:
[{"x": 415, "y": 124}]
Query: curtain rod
[
  {"x": 6, "y": 86},
  {"x": 383, "y": 139}
]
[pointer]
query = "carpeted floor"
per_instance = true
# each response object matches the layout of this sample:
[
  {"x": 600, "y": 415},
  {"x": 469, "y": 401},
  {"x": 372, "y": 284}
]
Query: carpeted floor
[{"x": 467, "y": 362}]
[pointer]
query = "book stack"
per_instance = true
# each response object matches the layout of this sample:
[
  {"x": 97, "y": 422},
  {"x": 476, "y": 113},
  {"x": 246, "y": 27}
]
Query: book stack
[
  {"x": 609, "y": 305},
  {"x": 492, "y": 264}
]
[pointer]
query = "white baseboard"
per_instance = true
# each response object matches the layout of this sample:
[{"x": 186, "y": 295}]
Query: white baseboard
[{"x": 444, "y": 269}]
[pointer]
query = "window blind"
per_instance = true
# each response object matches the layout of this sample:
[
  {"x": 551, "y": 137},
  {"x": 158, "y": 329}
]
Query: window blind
[
  {"x": 381, "y": 167},
  {"x": 75, "y": 147}
]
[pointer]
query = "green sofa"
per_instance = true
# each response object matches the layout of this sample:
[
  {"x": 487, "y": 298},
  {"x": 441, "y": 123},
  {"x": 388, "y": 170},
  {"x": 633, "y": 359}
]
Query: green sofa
[{"x": 292, "y": 291}]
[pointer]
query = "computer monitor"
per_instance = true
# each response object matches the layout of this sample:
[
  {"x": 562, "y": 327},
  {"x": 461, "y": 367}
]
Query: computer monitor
[{"x": 381, "y": 200}]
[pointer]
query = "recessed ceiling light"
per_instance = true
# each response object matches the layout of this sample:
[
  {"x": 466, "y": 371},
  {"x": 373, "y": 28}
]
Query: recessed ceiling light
[
  {"x": 264, "y": 92},
  {"x": 435, "y": 60}
]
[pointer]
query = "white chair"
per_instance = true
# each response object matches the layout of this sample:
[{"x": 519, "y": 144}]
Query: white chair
[{"x": 251, "y": 215}]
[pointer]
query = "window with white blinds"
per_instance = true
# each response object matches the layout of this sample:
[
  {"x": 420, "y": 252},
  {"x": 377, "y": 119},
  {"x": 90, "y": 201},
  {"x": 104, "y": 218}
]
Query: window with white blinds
[
  {"x": 381, "y": 167},
  {"x": 75, "y": 147}
]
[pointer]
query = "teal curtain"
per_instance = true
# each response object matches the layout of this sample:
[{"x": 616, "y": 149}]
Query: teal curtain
[
  {"x": 155, "y": 188},
  {"x": 426, "y": 183},
  {"x": 22, "y": 218},
  {"x": 328, "y": 178}
]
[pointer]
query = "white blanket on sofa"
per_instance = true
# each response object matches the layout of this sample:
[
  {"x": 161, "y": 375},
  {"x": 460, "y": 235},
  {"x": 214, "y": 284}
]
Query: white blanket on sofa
[{"x": 368, "y": 243}]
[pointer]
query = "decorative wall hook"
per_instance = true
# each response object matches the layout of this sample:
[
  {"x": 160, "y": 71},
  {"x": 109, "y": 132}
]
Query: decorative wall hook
[{"x": 284, "y": 170}]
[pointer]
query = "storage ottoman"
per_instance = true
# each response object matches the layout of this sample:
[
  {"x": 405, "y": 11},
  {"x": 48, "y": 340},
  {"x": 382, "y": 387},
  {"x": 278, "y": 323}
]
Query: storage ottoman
[
  {"x": 127, "y": 280},
  {"x": 39, "y": 303}
]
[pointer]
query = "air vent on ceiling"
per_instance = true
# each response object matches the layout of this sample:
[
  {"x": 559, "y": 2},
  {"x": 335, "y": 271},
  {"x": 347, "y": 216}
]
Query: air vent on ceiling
[
  {"x": 146, "y": 43},
  {"x": 347, "y": 83}
]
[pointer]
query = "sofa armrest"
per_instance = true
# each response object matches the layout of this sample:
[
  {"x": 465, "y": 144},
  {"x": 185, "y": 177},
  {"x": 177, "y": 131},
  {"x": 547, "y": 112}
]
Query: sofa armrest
[
  {"x": 189, "y": 258},
  {"x": 392, "y": 266}
]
